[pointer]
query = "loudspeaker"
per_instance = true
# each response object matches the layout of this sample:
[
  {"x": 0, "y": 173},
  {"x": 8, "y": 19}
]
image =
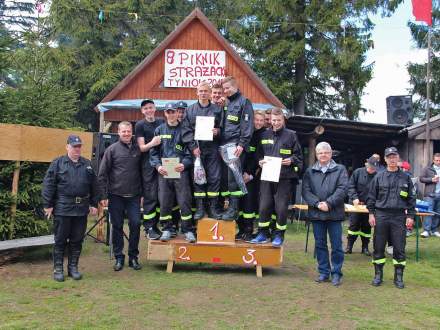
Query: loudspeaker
[
  {"x": 399, "y": 110},
  {"x": 101, "y": 141}
]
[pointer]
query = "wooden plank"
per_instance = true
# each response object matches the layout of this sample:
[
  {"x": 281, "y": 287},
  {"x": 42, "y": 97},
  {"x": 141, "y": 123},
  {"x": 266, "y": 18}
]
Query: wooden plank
[
  {"x": 14, "y": 192},
  {"x": 212, "y": 231},
  {"x": 26, "y": 242},
  {"x": 259, "y": 271}
]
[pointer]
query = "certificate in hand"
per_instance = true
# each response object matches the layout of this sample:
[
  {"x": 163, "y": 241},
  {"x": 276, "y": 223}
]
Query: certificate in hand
[
  {"x": 204, "y": 127},
  {"x": 271, "y": 169},
  {"x": 170, "y": 164}
]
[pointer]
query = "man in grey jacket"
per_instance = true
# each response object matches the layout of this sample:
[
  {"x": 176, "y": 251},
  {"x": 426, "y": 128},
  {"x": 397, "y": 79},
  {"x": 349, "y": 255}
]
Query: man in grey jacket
[
  {"x": 324, "y": 189},
  {"x": 431, "y": 178}
]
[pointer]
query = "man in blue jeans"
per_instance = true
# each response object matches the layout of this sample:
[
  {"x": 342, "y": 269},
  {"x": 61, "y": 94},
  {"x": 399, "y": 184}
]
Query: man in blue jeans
[
  {"x": 325, "y": 186},
  {"x": 431, "y": 178}
]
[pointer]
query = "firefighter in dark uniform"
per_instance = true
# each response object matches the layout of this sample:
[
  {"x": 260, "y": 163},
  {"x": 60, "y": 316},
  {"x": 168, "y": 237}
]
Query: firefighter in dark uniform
[
  {"x": 358, "y": 188},
  {"x": 69, "y": 194},
  {"x": 171, "y": 189},
  {"x": 206, "y": 150},
  {"x": 277, "y": 142},
  {"x": 238, "y": 127},
  {"x": 391, "y": 207},
  {"x": 144, "y": 133},
  {"x": 251, "y": 175}
]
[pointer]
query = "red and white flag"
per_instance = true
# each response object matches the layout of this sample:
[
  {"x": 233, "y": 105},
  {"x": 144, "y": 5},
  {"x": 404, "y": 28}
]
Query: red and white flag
[{"x": 422, "y": 10}]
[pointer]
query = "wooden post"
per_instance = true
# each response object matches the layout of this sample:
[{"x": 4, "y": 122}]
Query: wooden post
[
  {"x": 312, "y": 145},
  {"x": 101, "y": 122},
  {"x": 14, "y": 192},
  {"x": 170, "y": 265},
  {"x": 259, "y": 271}
]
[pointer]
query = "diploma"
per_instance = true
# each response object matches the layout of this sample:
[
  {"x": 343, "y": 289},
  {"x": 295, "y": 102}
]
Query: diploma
[
  {"x": 204, "y": 127},
  {"x": 169, "y": 165},
  {"x": 271, "y": 169}
]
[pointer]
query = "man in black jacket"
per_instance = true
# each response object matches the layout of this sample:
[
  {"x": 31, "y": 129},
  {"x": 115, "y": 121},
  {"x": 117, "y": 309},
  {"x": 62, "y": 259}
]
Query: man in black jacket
[
  {"x": 171, "y": 189},
  {"x": 324, "y": 190},
  {"x": 206, "y": 150},
  {"x": 391, "y": 206},
  {"x": 281, "y": 142},
  {"x": 238, "y": 126},
  {"x": 120, "y": 186},
  {"x": 358, "y": 188},
  {"x": 144, "y": 133},
  {"x": 69, "y": 194}
]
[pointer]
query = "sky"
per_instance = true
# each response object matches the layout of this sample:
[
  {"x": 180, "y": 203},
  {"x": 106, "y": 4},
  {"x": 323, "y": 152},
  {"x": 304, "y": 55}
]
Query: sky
[{"x": 393, "y": 49}]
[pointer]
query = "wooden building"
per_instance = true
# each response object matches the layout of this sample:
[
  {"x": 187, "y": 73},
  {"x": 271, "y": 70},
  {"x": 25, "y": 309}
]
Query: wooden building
[{"x": 148, "y": 79}]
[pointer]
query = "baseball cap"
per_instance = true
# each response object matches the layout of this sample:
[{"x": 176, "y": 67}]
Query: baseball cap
[
  {"x": 146, "y": 101},
  {"x": 372, "y": 162},
  {"x": 391, "y": 151},
  {"x": 181, "y": 104},
  {"x": 74, "y": 140},
  {"x": 169, "y": 106}
]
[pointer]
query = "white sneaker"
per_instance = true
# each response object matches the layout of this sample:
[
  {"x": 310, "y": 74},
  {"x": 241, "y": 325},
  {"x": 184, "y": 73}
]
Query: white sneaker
[
  {"x": 425, "y": 234},
  {"x": 389, "y": 250},
  {"x": 436, "y": 234}
]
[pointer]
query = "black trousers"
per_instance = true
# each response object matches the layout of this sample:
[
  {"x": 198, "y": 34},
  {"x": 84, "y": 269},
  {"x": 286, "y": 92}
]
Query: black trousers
[
  {"x": 249, "y": 203},
  {"x": 69, "y": 231},
  {"x": 118, "y": 207},
  {"x": 274, "y": 197},
  {"x": 211, "y": 161},
  {"x": 150, "y": 194},
  {"x": 394, "y": 226},
  {"x": 169, "y": 191},
  {"x": 359, "y": 226}
]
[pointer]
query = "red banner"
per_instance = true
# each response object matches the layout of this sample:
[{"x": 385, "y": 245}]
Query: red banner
[{"x": 422, "y": 10}]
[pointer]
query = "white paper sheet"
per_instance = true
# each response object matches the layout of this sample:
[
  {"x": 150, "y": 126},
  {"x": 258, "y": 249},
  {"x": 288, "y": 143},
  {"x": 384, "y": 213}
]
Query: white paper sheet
[
  {"x": 170, "y": 164},
  {"x": 204, "y": 127},
  {"x": 271, "y": 169}
]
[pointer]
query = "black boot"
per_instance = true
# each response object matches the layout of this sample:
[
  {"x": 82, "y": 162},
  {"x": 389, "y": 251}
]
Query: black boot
[
  {"x": 248, "y": 230},
  {"x": 365, "y": 241},
  {"x": 231, "y": 212},
  {"x": 72, "y": 265},
  {"x": 58, "y": 265},
  {"x": 398, "y": 276},
  {"x": 200, "y": 209},
  {"x": 119, "y": 264},
  {"x": 240, "y": 225},
  {"x": 350, "y": 242},
  {"x": 212, "y": 209},
  {"x": 378, "y": 275}
]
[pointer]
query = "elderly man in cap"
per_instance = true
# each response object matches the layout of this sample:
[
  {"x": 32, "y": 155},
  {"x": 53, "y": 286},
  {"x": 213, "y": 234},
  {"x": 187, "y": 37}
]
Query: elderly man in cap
[
  {"x": 69, "y": 195},
  {"x": 391, "y": 206},
  {"x": 358, "y": 187}
]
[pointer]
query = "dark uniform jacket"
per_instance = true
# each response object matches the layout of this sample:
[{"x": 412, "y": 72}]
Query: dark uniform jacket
[
  {"x": 426, "y": 177},
  {"x": 330, "y": 187},
  {"x": 282, "y": 143},
  {"x": 250, "y": 154},
  {"x": 238, "y": 121},
  {"x": 120, "y": 170},
  {"x": 171, "y": 146},
  {"x": 359, "y": 184},
  {"x": 69, "y": 187},
  {"x": 392, "y": 192},
  {"x": 189, "y": 125}
]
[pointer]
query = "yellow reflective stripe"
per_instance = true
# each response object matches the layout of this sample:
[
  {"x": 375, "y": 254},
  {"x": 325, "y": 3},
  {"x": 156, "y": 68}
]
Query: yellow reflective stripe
[
  {"x": 240, "y": 213},
  {"x": 225, "y": 108},
  {"x": 225, "y": 193},
  {"x": 149, "y": 216},
  {"x": 252, "y": 149},
  {"x": 248, "y": 215},
  {"x": 212, "y": 194},
  {"x": 232, "y": 118},
  {"x": 257, "y": 216},
  {"x": 199, "y": 194},
  {"x": 402, "y": 263},
  {"x": 280, "y": 227},
  {"x": 175, "y": 208},
  {"x": 158, "y": 209},
  {"x": 186, "y": 217},
  {"x": 179, "y": 147},
  {"x": 379, "y": 261},
  {"x": 236, "y": 193},
  {"x": 193, "y": 209},
  {"x": 273, "y": 216},
  {"x": 266, "y": 141},
  {"x": 285, "y": 151},
  {"x": 358, "y": 233},
  {"x": 165, "y": 136},
  {"x": 263, "y": 224},
  {"x": 165, "y": 217},
  {"x": 296, "y": 168},
  {"x": 404, "y": 193}
]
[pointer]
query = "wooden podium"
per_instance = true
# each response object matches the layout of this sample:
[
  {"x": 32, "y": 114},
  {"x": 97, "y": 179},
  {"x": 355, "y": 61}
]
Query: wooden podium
[{"x": 215, "y": 244}]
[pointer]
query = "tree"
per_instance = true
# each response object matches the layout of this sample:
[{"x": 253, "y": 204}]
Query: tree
[{"x": 418, "y": 72}]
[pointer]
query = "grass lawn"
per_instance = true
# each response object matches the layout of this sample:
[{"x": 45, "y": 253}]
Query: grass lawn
[{"x": 220, "y": 297}]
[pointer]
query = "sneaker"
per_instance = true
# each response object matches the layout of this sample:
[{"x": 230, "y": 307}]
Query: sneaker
[
  {"x": 189, "y": 236},
  {"x": 336, "y": 280},
  {"x": 260, "y": 239},
  {"x": 277, "y": 241},
  {"x": 436, "y": 234},
  {"x": 166, "y": 236},
  {"x": 425, "y": 234},
  {"x": 173, "y": 233},
  {"x": 247, "y": 237},
  {"x": 322, "y": 278},
  {"x": 239, "y": 235},
  {"x": 389, "y": 250},
  {"x": 153, "y": 234}
]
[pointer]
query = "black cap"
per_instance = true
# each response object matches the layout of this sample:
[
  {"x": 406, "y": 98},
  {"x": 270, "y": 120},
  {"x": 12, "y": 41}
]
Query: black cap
[
  {"x": 181, "y": 105},
  {"x": 391, "y": 151},
  {"x": 170, "y": 106},
  {"x": 74, "y": 140},
  {"x": 372, "y": 162},
  {"x": 146, "y": 102}
]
